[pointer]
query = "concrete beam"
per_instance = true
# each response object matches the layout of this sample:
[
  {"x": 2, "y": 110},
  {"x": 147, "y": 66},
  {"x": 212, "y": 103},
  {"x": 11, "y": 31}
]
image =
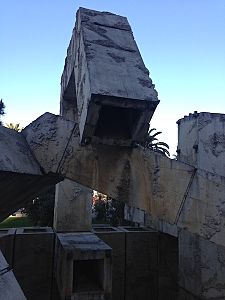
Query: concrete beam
[{"x": 169, "y": 190}]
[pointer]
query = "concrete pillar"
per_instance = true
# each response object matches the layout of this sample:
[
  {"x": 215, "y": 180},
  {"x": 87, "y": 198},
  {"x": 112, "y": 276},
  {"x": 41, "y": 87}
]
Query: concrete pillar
[{"x": 72, "y": 207}]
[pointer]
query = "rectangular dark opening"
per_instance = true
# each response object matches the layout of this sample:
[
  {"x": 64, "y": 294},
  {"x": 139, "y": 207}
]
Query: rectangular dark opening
[
  {"x": 88, "y": 275},
  {"x": 116, "y": 122},
  {"x": 31, "y": 230},
  {"x": 3, "y": 231},
  {"x": 135, "y": 229},
  {"x": 104, "y": 229}
]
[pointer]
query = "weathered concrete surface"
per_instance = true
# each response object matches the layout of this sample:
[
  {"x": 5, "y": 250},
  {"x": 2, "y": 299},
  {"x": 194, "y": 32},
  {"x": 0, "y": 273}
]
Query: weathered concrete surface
[
  {"x": 15, "y": 154},
  {"x": 73, "y": 204},
  {"x": 9, "y": 287},
  {"x": 33, "y": 261},
  {"x": 7, "y": 238},
  {"x": 115, "y": 238},
  {"x": 141, "y": 263},
  {"x": 201, "y": 141},
  {"x": 83, "y": 267},
  {"x": 21, "y": 178},
  {"x": 169, "y": 190},
  {"x": 201, "y": 266},
  {"x": 115, "y": 108}
]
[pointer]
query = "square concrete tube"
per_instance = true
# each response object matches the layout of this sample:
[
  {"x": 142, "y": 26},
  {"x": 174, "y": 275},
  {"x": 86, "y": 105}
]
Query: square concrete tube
[
  {"x": 33, "y": 261},
  {"x": 115, "y": 238},
  {"x": 7, "y": 236},
  {"x": 141, "y": 263},
  {"x": 115, "y": 96},
  {"x": 9, "y": 287},
  {"x": 83, "y": 267}
]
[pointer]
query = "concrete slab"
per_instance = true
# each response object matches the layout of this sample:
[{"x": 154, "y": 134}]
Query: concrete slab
[
  {"x": 141, "y": 264},
  {"x": 115, "y": 238},
  {"x": 33, "y": 261},
  {"x": 9, "y": 287},
  {"x": 201, "y": 266},
  {"x": 168, "y": 260}
]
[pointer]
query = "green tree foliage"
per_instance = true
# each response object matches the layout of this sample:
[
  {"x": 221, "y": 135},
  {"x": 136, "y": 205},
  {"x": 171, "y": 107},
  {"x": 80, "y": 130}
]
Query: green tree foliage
[
  {"x": 14, "y": 126},
  {"x": 41, "y": 210},
  {"x": 2, "y": 110},
  {"x": 151, "y": 142},
  {"x": 108, "y": 210}
]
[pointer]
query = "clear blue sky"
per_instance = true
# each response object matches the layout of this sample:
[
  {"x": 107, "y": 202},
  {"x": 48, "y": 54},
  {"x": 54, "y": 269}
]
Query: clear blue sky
[{"x": 182, "y": 43}]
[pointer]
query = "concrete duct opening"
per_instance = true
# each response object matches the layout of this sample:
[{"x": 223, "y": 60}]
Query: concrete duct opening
[
  {"x": 117, "y": 122},
  {"x": 88, "y": 275}
]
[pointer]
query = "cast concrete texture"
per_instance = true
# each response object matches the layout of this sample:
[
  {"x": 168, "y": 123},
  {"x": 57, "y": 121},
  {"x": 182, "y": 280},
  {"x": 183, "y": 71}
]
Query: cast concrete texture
[
  {"x": 172, "y": 194},
  {"x": 139, "y": 177},
  {"x": 73, "y": 203},
  {"x": 205, "y": 146},
  {"x": 83, "y": 267},
  {"x": 102, "y": 43},
  {"x": 9, "y": 287},
  {"x": 7, "y": 237},
  {"x": 116, "y": 240},
  {"x": 21, "y": 178},
  {"x": 201, "y": 266},
  {"x": 168, "y": 262},
  {"x": 141, "y": 263},
  {"x": 33, "y": 260}
]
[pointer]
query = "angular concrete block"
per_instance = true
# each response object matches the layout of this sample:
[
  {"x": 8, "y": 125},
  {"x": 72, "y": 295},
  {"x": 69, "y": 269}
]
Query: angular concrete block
[
  {"x": 115, "y": 96},
  {"x": 141, "y": 264},
  {"x": 83, "y": 267},
  {"x": 9, "y": 287},
  {"x": 7, "y": 237},
  {"x": 115, "y": 238},
  {"x": 33, "y": 261}
]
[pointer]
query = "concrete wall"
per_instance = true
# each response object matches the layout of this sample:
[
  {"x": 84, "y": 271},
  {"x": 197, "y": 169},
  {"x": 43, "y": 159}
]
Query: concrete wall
[
  {"x": 33, "y": 261},
  {"x": 115, "y": 238},
  {"x": 201, "y": 266}
]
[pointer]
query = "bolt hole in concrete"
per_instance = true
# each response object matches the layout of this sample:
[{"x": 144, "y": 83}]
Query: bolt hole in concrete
[
  {"x": 88, "y": 275},
  {"x": 116, "y": 122}
]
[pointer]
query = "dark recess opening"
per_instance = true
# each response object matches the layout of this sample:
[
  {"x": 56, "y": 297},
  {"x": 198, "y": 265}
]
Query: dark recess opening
[
  {"x": 88, "y": 275},
  {"x": 116, "y": 122},
  {"x": 31, "y": 230},
  {"x": 104, "y": 229}
]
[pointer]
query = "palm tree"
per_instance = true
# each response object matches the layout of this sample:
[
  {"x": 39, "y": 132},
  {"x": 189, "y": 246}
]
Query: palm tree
[
  {"x": 151, "y": 142},
  {"x": 14, "y": 126},
  {"x": 2, "y": 107}
]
